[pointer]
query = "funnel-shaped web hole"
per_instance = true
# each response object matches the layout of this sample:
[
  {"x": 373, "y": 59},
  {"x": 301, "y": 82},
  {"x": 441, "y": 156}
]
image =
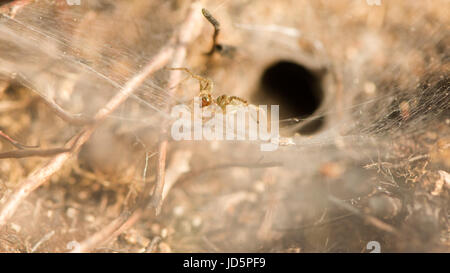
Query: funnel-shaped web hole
[{"x": 295, "y": 89}]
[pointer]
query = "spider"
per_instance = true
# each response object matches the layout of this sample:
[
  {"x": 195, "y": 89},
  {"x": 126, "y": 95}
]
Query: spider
[{"x": 206, "y": 86}]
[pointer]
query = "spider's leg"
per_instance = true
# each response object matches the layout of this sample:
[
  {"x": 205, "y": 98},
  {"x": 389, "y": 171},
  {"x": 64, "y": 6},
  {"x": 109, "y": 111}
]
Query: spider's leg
[
  {"x": 222, "y": 101},
  {"x": 230, "y": 98},
  {"x": 205, "y": 83}
]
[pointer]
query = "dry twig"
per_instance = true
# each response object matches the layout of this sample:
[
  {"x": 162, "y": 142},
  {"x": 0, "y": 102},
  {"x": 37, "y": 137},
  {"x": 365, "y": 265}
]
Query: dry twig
[
  {"x": 188, "y": 31},
  {"x": 33, "y": 152},
  {"x": 14, "y": 142},
  {"x": 368, "y": 218}
]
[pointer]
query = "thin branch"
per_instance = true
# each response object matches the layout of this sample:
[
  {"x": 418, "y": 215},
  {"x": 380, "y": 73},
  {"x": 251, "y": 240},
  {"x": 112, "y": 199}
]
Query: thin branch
[
  {"x": 74, "y": 119},
  {"x": 368, "y": 218},
  {"x": 14, "y": 142},
  {"x": 33, "y": 152},
  {"x": 316, "y": 224},
  {"x": 160, "y": 177},
  {"x": 101, "y": 236},
  {"x": 44, "y": 239},
  {"x": 187, "y": 33},
  {"x": 257, "y": 165}
]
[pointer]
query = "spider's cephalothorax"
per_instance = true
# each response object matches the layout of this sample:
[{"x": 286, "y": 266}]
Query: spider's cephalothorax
[
  {"x": 225, "y": 100},
  {"x": 206, "y": 99}
]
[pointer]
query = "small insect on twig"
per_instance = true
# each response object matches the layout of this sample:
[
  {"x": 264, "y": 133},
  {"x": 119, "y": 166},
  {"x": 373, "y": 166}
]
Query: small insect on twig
[{"x": 222, "y": 49}]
